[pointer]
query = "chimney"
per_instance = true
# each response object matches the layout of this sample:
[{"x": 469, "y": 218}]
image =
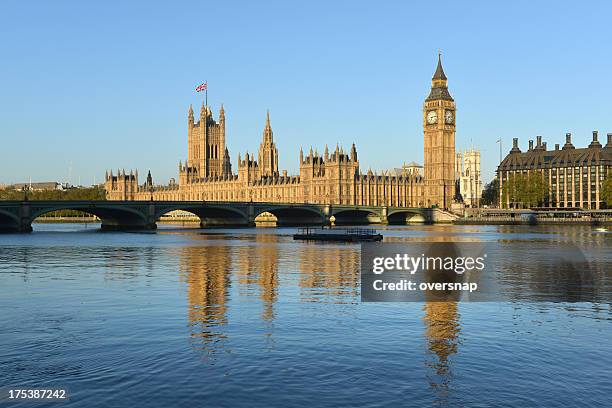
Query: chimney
[
  {"x": 544, "y": 146},
  {"x": 538, "y": 141},
  {"x": 515, "y": 147},
  {"x": 556, "y": 146},
  {"x": 568, "y": 142},
  {"x": 609, "y": 140},
  {"x": 531, "y": 145},
  {"x": 595, "y": 143}
]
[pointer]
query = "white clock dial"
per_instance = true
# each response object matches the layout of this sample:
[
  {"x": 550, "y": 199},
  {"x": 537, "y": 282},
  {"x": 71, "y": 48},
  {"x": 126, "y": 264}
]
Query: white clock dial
[
  {"x": 432, "y": 117},
  {"x": 449, "y": 117}
]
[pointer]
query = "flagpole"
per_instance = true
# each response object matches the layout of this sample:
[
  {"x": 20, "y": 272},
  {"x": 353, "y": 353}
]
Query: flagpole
[{"x": 206, "y": 93}]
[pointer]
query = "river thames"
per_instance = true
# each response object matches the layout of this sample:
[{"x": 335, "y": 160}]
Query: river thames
[{"x": 251, "y": 318}]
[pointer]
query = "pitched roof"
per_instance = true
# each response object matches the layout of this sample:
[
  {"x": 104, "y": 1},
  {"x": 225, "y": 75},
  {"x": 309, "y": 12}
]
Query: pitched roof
[
  {"x": 439, "y": 91},
  {"x": 539, "y": 158}
]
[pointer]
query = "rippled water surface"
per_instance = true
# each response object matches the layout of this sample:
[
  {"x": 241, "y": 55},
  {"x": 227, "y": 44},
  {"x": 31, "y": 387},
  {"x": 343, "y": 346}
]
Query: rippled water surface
[{"x": 250, "y": 318}]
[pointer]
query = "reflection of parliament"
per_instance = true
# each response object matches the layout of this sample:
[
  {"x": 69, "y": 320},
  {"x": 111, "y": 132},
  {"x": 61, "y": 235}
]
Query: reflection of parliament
[{"x": 331, "y": 178}]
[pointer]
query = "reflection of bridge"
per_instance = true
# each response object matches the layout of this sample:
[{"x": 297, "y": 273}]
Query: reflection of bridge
[{"x": 17, "y": 216}]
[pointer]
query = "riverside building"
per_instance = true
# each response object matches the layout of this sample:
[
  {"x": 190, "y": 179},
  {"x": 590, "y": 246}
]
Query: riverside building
[{"x": 574, "y": 177}]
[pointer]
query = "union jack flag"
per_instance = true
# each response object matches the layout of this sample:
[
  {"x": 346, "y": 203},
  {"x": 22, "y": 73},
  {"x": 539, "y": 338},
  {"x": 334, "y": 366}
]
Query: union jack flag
[{"x": 202, "y": 87}]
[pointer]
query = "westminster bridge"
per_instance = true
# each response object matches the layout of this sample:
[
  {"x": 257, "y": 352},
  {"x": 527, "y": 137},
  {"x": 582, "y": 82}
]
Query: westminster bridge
[{"x": 17, "y": 216}]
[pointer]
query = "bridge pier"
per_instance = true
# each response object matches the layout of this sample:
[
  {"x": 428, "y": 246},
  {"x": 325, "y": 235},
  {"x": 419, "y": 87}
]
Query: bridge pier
[
  {"x": 251, "y": 215},
  {"x": 384, "y": 220},
  {"x": 26, "y": 227},
  {"x": 326, "y": 221},
  {"x": 326, "y": 217},
  {"x": 25, "y": 220}
]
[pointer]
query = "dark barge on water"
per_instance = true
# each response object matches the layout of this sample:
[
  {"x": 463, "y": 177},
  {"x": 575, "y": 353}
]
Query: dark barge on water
[{"x": 338, "y": 234}]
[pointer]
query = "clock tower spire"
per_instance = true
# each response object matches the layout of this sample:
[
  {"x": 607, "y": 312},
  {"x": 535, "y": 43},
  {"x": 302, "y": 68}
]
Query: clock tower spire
[{"x": 439, "y": 141}]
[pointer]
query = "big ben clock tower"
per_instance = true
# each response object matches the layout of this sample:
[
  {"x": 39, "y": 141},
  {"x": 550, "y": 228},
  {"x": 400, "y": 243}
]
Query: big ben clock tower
[{"x": 439, "y": 130}]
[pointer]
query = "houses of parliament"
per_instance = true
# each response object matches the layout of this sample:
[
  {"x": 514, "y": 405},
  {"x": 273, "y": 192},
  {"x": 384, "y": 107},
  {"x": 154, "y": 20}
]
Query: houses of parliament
[{"x": 333, "y": 177}]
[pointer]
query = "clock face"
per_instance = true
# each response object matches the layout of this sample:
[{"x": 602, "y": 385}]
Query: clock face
[
  {"x": 449, "y": 117},
  {"x": 432, "y": 117}
]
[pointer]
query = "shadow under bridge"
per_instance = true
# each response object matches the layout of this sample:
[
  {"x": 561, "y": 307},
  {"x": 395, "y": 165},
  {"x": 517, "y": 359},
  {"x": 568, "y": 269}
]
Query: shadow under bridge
[
  {"x": 210, "y": 215},
  {"x": 293, "y": 215},
  {"x": 112, "y": 216}
]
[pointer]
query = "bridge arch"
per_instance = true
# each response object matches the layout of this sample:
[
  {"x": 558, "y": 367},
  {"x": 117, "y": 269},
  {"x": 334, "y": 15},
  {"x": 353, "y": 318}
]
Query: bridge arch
[
  {"x": 292, "y": 215},
  {"x": 403, "y": 217},
  {"x": 210, "y": 215},
  {"x": 356, "y": 217},
  {"x": 113, "y": 218}
]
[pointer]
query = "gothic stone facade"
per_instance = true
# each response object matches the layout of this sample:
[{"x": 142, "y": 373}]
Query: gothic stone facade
[
  {"x": 331, "y": 178},
  {"x": 467, "y": 174},
  {"x": 574, "y": 176}
]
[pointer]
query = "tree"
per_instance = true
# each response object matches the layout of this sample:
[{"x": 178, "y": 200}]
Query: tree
[
  {"x": 535, "y": 190},
  {"x": 88, "y": 193},
  {"x": 458, "y": 197},
  {"x": 509, "y": 188},
  {"x": 525, "y": 190},
  {"x": 606, "y": 191},
  {"x": 84, "y": 193},
  {"x": 490, "y": 194}
]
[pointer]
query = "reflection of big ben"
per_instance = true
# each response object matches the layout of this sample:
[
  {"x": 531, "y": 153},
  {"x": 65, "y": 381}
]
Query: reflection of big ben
[{"x": 439, "y": 133}]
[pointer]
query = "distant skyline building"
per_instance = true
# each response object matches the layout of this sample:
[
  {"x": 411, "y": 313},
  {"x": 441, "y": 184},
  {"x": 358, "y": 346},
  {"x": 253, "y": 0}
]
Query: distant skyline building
[
  {"x": 333, "y": 177},
  {"x": 413, "y": 168},
  {"x": 38, "y": 186},
  {"x": 467, "y": 171}
]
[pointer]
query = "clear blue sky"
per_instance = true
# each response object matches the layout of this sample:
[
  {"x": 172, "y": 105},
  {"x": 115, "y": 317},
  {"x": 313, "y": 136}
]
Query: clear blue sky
[{"x": 108, "y": 84}]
